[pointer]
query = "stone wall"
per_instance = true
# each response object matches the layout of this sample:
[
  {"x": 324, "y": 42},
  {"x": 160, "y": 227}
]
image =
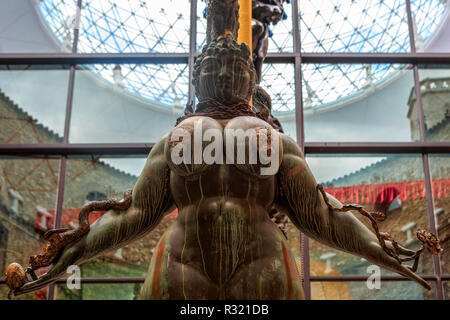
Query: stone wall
[
  {"x": 395, "y": 168},
  {"x": 17, "y": 126},
  {"x": 436, "y": 106}
]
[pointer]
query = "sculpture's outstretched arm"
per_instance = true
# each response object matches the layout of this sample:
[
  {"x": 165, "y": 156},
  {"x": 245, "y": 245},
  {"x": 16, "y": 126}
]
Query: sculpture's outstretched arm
[
  {"x": 305, "y": 205},
  {"x": 151, "y": 200}
]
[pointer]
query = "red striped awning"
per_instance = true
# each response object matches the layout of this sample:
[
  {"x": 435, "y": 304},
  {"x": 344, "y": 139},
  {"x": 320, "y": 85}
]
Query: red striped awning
[{"x": 386, "y": 192}]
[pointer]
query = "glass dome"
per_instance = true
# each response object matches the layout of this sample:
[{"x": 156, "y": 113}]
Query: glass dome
[
  {"x": 113, "y": 26},
  {"x": 371, "y": 26},
  {"x": 366, "y": 25}
]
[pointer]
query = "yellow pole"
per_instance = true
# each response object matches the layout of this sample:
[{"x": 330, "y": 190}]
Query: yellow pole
[
  {"x": 245, "y": 26},
  {"x": 245, "y": 23}
]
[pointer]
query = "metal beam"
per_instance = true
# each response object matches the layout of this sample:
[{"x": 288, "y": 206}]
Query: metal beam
[
  {"x": 388, "y": 58},
  {"x": 192, "y": 50},
  {"x": 76, "y": 149},
  {"x": 95, "y": 58},
  {"x": 375, "y": 147},
  {"x": 364, "y": 278},
  {"x": 177, "y": 58},
  {"x": 117, "y": 58},
  {"x": 355, "y": 278},
  {"x": 144, "y": 148}
]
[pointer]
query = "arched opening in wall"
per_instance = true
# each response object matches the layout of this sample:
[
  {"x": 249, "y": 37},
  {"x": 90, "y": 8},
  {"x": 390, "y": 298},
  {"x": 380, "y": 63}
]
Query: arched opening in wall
[{"x": 388, "y": 200}]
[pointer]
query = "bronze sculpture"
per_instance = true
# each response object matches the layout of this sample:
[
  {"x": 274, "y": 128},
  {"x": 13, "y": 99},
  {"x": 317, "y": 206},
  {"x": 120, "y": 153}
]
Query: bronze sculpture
[{"x": 223, "y": 244}]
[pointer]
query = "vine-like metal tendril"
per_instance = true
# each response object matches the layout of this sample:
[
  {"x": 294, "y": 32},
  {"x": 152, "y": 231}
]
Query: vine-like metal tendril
[{"x": 428, "y": 240}]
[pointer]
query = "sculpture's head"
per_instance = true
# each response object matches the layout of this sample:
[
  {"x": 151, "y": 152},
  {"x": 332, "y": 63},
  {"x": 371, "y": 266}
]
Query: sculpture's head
[{"x": 225, "y": 72}]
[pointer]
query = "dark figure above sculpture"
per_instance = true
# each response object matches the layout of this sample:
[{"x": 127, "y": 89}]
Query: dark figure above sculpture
[
  {"x": 265, "y": 12},
  {"x": 223, "y": 244}
]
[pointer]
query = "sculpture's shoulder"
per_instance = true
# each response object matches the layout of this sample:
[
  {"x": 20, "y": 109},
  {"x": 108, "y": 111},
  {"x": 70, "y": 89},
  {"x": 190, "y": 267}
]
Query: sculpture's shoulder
[
  {"x": 290, "y": 147},
  {"x": 159, "y": 147},
  {"x": 294, "y": 165}
]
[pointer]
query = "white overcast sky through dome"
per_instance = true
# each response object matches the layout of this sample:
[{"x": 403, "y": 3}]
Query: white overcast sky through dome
[{"x": 114, "y": 26}]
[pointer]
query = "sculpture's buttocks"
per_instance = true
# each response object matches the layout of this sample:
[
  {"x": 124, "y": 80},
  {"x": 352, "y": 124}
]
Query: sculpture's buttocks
[
  {"x": 201, "y": 143},
  {"x": 223, "y": 207}
]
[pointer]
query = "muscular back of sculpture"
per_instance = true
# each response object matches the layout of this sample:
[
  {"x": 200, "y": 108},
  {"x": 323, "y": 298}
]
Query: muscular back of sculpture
[{"x": 225, "y": 169}]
